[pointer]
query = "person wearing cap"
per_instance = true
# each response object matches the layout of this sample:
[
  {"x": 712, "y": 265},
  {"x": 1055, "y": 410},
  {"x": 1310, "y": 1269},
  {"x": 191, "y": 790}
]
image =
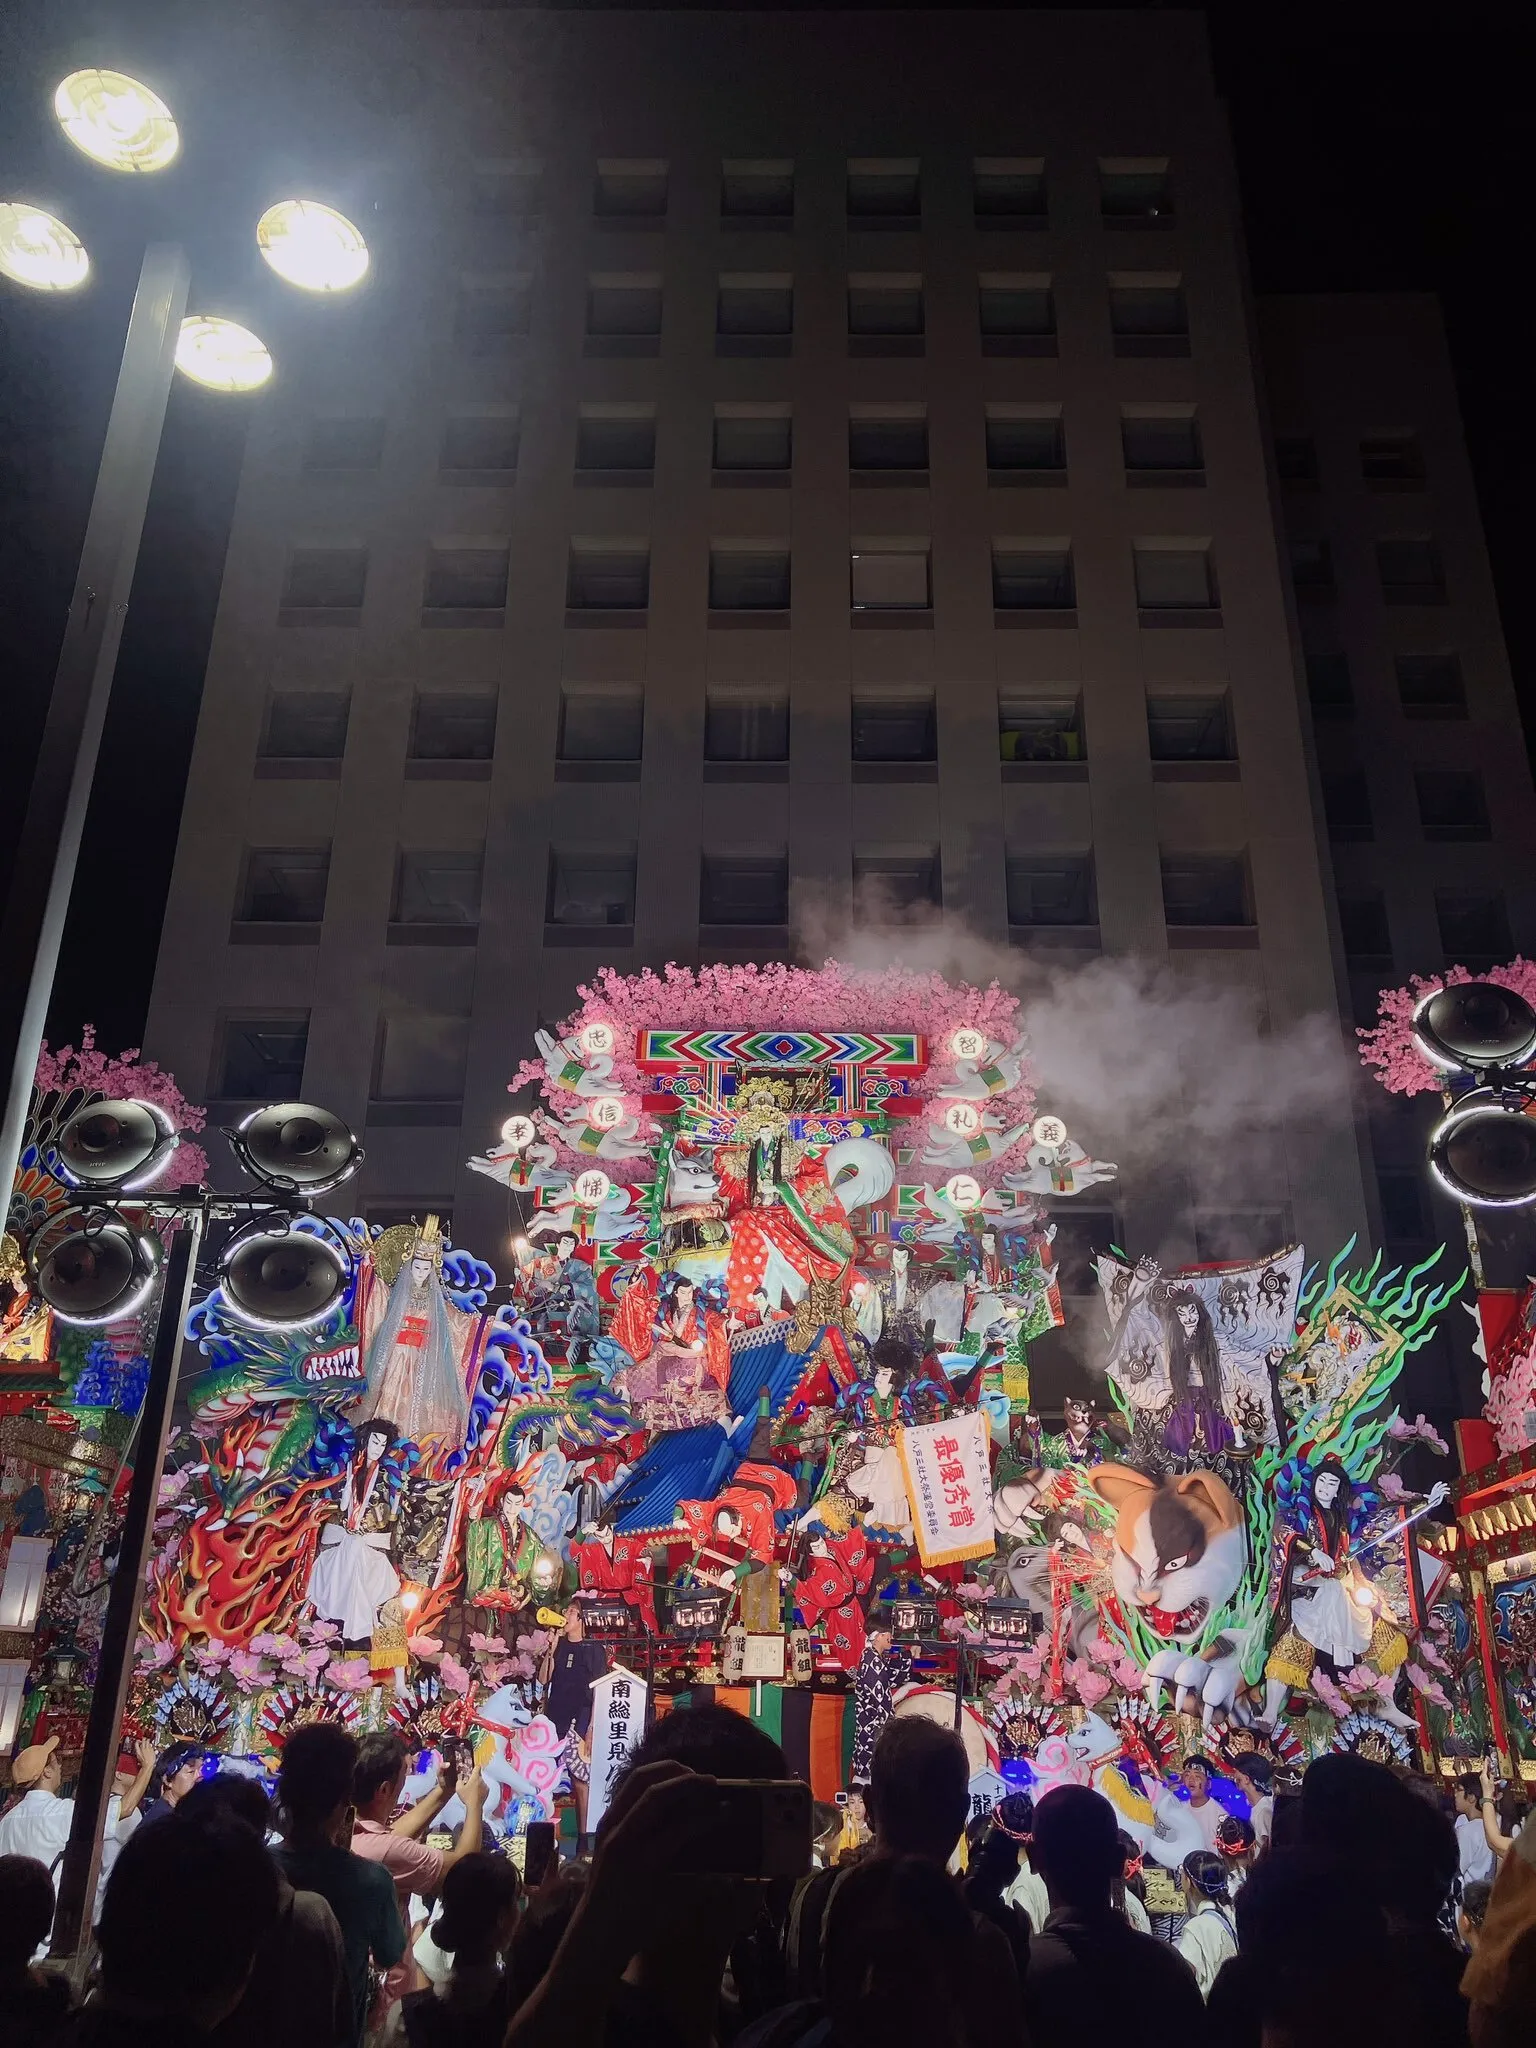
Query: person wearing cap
[
  {"x": 1208, "y": 1936},
  {"x": 39, "y": 1823}
]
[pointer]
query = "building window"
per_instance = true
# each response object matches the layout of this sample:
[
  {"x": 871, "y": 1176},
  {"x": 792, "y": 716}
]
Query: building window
[
  {"x": 511, "y": 189},
  {"x": 891, "y": 727},
  {"x": 1296, "y": 459},
  {"x": 285, "y": 885},
  {"x": 591, "y": 886},
  {"x": 1021, "y": 439},
  {"x": 1363, "y": 926},
  {"x": 1452, "y": 804},
  {"x": 630, "y": 192},
  {"x": 1431, "y": 685},
  {"x": 1046, "y": 889},
  {"x": 609, "y": 576},
  {"x": 748, "y": 576},
  {"x": 438, "y": 888},
  {"x": 1328, "y": 685},
  {"x": 262, "y": 1059},
  {"x": 467, "y": 578},
  {"x": 1347, "y": 805},
  {"x": 420, "y": 1057},
  {"x": 1161, "y": 443},
  {"x": 752, "y": 437},
  {"x": 492, "y": 313},
  {"x": 1032, "y": 576},
  {"x": 614, "y": 439},
  {"x": 1392, "y": 460},
  {"x": 1147, "y": 315},
  {"x": 480, "y": 444},
  {"x": 306, "y": 725},
  {"x": 754, "y": 313},
  {"x": 1410, "y": 569},
  {"x": 1135, "y": 192},
  {"x": 885, "y": 307},
  {"x": 623, "y": 312},
  {"x": 888, "y": 438},
  {"x": 325, "y": 580},
  {"x": 1474, "y": 928},
  {"x": 453, "y": 726},
  {"x": 746, "y": 724},
  {"x": 744, "y": 888},
  {"x": 897, "y": 885},
  {"x": 601, "y": 722},
  {"x": 346, "y": 444},
  {"x": 1404, "y": 1213},
  {"x": 1174, "y": 576},
  {"x": 1009, "y": 191},
  {"x": 1017, "y": 313},
  {"x": 1196, "y": 727},
  {"x": 757, "y": 192},
  {"x": 1205, "y": 889},
  {"x": 1311, "y": 569},
  {"x": 884, "y": 192},
  {"x": 890, "y": 576},
  {"x": 1041, "y": 729}
]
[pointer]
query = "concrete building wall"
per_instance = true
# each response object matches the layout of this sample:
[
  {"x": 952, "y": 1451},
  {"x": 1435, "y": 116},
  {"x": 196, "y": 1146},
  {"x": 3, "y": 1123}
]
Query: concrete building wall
[
  {"x": 563, "y": 92},
  {"x": 1424, "y": 763}
]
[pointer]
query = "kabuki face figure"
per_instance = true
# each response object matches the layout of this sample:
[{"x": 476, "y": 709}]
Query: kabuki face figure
[
  {"x": 885, "y": 1379},
  {"x": 900, "y": 1256},
  {"x": 1325, "y": 1490},
  {"x": 377, "y": 1438},
  {"x": 1189, "y": 1317},
  {"x": 565, "y": 1247}
]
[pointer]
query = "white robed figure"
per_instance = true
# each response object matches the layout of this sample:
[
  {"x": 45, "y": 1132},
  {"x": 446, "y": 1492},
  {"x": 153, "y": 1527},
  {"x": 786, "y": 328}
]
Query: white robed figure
[
  {"x": 418, "y": 1355},
  {"x": 353, "y": 1575}
]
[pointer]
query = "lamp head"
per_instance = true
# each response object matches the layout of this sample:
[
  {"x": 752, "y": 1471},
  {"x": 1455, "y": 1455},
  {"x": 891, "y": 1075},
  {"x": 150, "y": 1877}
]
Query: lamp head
[
  {"x": 277, "y": 1278},
  {"x": 93, "y": 1269},
  {"x": 312, "y": 246},
  {"x": 1472, "y": 1025},
  {"x": 222, "y": 354},
  {"x": 39, "y": 251},
  {"x": 1484, "y": 1152},
  {"x": 117, "y": 121},
  {"x": 296, "y": 1147},
  {"x": 117, "y": 1144}
]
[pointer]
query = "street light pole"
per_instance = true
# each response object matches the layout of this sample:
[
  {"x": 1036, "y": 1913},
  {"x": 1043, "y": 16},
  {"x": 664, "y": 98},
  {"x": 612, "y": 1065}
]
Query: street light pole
[
  {"x": 120, "y": 1624},
  {"x": 37, "y": 904}
]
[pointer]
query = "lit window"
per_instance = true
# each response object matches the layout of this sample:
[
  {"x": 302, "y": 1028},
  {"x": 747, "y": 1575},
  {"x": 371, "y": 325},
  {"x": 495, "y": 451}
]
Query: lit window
[{"x": 1041, "y": 729}]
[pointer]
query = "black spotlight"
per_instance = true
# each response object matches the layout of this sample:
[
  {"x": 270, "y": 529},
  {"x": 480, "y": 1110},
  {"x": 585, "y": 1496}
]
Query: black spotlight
[
  {"x": 1484, "y": 1153},
  {"x": 1473, "y": 1025},
  {"x": 93, "y": 1269},
  {"x": 281, "y": 1279},
  {"x": 296, "y": 1147},
  {"x": 118, "y": 1145}
]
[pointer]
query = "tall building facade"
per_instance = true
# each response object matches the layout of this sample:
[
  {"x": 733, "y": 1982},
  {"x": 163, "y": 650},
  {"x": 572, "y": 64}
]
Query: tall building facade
[{"x": 791, "y": 473}]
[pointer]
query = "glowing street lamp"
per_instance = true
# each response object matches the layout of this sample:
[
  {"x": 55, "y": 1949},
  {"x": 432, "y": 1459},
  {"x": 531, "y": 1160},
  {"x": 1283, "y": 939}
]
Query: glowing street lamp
[
  {"x": 312, "y": 246},
  {"x": 222, "y": 354},
  {"x": 116, "y": 121},
  {"x": 40, "y": 252}
]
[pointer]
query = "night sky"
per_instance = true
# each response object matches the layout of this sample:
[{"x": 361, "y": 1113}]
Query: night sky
[{"x": 1378, "y": 149}]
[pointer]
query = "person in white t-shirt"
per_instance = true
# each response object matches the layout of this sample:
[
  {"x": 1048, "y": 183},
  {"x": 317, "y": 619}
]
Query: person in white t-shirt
[
  {"x": 1254, "y": 1776},
  {"x": 1199, "y": 1808},
  {"x": 1472, "y": 1844},
  {"x": 1208, "y": 1937},
  {"x": 38, "y": 1824}
]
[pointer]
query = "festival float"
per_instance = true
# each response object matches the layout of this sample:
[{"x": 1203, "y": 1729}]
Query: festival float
[{"x": 753, "y": 1399}]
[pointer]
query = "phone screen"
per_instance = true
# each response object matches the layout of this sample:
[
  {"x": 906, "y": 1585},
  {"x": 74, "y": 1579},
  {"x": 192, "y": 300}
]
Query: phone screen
[{"x": 538, "y": 1852}]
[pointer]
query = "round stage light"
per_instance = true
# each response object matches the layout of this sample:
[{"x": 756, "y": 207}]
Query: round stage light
[
  {"x": 117, "y": 121},
  {"x": 296, "y": 1147},
  {"x": 277, "y": 1279},
  {"x": 1484, "y": 1154},
  {"x": 1475, "y": 1024},
  {"x": 312, "y": 246},
  {"x": 93, "y": 1269},
  {"x": 122, "y": 1145},
  {"x": 38, "y": 251},
  {"x": 222, "y": 354}
]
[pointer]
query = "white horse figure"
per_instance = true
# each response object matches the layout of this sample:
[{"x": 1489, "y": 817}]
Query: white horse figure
[
  {"x": 611, "y": 1219},
  {"x": 1064, "y": 1169},
  {"x": 569, "y": 1067},
  {"x": 999, "y": 1069},
  {"x": 523, "y": 1166},
  {"x": 989, "y": 1141}
]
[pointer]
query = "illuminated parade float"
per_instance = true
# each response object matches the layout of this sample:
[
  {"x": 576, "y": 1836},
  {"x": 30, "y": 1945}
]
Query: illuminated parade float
[{"x": 754, "y": 1403}]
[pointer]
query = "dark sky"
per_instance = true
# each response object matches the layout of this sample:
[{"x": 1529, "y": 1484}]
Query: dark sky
[{"x": 1378, "y": 149}]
